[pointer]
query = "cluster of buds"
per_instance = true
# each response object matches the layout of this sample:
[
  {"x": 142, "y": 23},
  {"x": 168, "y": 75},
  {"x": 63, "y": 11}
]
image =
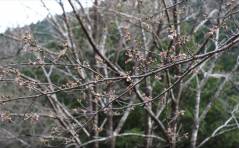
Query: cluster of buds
[
  {"x": 147, "y": 100},
  {"x": 130, "y": 88},
  {"x": 98, "y": 77},
  {"x": 127, "y": 34},
  {"x": 98, "y": 96},
  {"x": 230, "y": 3},
  {"x": 20, "y": 81},
  {"x": 150, "y": 60},
  {"x": 55, "y": 131},
  {"x": 212, "y": 31},
  {"x": 44, "y": 141},
  {"x": 186, "y": 135},
  {"x": 4, "y": 97},
  {"x": 111, "y": 95},
  {"x": 140, "y": 56},
  {"x": 98, "y": 129},
  {"x": 4, "y": 71},
  {"x": 170, "y": 132},
  {"x": 30, "y": 43},
  {"x": 34, "y": 117},
  {"x": 139, "y": 2},
  {"x": 128, "y": 78},
  {"x": 106, "y": 110},
  {"x": 183, "y": 137},
  {"x": 163, "y": 54},
  {"x": 98, "y": 59},
  {"x": 69, "y": 84},
  {"x": 69, "y": 140},
  {"x": 172, "y": 34},
  {"x": 224, "y": 26},
  {"x": 181, "y": 113},
  {"x": 117, "y": 114},
  {"x": 181, "y": 40},
  {"x": 26, "y": 83},
  {"x": 37, "y": 62},
  {"x": 172, "y": 57},
  {"x": 130, "y": 53},
  {"x": 158, "y": 77},
  {"x": 181, "y": 56},
  {"x": 27, "y": 38},
  {"x": 6, "y": 116}
]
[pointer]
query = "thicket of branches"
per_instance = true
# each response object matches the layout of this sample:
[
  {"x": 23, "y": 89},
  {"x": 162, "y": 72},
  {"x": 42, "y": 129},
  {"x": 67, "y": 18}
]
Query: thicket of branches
[{"x": 124, "y": 73}]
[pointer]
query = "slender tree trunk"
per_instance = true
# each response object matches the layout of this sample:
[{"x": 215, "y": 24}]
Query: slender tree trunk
[
  {"x": 148, "y": 120},
  {"x": 196, "y": 117},
  {"x": 95, "y": 101},
  {"x": 176, "y": 94},
  {"x": 110, "y": 127}
]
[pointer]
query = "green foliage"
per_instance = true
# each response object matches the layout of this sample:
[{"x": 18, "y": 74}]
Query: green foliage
[
  {"x": 113, "y": 36},
  {"x": 227, "y": 61},
  {"x": 130, "y": 141}
]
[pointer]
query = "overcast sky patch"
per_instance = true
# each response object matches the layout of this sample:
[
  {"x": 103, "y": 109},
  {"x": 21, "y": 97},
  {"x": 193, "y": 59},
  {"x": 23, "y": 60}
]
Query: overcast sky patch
[{"x": 17, "y": 13}]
